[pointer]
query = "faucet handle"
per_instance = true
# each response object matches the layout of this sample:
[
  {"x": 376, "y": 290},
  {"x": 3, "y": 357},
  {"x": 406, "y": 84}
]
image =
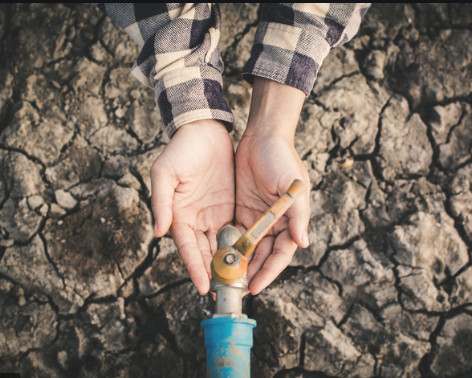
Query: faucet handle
[{"x": 249, "y": 240}]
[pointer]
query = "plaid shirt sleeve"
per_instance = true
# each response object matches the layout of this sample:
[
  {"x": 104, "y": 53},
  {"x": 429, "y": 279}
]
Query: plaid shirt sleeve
[
  {"x": 293, "y": 39},
  {"x": 179, "y": 58},
  {"x": 180, "y": 55}
]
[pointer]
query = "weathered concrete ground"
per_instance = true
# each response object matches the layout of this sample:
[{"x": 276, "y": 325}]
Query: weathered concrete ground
[{"x": 385, "y": 288}]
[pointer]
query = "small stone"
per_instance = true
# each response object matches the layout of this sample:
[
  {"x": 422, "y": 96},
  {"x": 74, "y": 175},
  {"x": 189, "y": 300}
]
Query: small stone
[
  {"x": 35, "y": 202},
  {"x": 56, "y": 211},
  {"x": 43, "y": 210},
  {"x": 55, "y": 84},
  {"x": 21, "y": 297},
  {"x": 120, "y": 113},
  {"x": 374, "y": 64},
  {"x": 65, "y": 199},
  {"x": 98, "y": 53},
  {"x": 62, "y": 359},
  {"x": 130, "y": 181}
]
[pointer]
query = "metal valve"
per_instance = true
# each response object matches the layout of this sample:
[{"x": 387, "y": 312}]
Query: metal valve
[{"x": 230, "y": 262}]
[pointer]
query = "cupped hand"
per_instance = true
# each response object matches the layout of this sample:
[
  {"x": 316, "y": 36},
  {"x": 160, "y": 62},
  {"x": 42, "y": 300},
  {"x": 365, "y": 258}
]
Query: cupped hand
[
  {"x": 265, "y": 168},
  {"x": 193, "y": 193}
]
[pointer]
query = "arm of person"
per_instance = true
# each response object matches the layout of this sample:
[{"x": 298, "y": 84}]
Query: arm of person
[
  {"x": 193, "y": 178},
  {"x": 290, "y": 45}
]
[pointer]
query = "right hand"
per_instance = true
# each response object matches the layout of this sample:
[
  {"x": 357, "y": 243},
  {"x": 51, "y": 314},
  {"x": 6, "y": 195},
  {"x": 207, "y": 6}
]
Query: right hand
[{"x": 193, "y": 193}]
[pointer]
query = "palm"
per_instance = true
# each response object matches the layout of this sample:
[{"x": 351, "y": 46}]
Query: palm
[
  {"x": 256, "y": 185},
  {"x": 203, "y": 202},
  {"x": 193, "y": 193}
]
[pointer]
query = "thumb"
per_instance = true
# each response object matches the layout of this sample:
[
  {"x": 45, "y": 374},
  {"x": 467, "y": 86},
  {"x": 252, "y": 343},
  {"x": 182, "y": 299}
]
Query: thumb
[{"x": 163, "y": 186}]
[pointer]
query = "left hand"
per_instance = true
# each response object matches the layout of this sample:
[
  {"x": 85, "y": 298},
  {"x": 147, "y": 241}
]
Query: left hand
[{"x": 193, "y": 193}]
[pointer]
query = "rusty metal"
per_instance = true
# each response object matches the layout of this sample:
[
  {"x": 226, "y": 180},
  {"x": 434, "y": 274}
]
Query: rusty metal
[
  {"x": 229, "y": 296},
  {"x": 228, "y": 272}
]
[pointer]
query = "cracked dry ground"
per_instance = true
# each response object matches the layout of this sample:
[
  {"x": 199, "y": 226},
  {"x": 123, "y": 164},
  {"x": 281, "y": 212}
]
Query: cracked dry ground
[{"x": 385, "y": 288}]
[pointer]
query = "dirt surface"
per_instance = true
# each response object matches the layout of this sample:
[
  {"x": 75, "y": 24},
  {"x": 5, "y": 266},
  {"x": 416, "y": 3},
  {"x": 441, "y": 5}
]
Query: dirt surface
[{"x": 385, "y": 288}]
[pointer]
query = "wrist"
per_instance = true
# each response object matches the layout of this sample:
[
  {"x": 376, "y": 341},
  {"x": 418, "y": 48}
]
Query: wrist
[
  {"x": 275, "y": 109},
  {"x": 202, "y": 125},
  {"x": 188, "y": 94}
]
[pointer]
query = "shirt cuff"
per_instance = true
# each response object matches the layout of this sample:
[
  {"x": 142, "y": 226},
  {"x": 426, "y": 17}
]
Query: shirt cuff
[
  {"x": 286, "y": 54},
  {"x": 190, "y": 94}
]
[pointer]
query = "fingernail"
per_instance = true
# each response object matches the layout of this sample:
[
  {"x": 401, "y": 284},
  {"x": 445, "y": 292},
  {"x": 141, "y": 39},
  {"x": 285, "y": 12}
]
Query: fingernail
[
  {"x": 305, "y": 240},
  {"x": 155, "y": 230}
]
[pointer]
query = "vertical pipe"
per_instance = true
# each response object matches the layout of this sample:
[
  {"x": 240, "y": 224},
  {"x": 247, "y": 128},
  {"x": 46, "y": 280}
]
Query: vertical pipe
[
  {"x": 228, "y": 335},
  {"x": 228, "y": 343}
]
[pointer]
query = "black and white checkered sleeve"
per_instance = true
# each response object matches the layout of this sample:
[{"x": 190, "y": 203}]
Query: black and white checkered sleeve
[
  {"x": 293, "y": 39},
  {"x": 179, "y": 58}
]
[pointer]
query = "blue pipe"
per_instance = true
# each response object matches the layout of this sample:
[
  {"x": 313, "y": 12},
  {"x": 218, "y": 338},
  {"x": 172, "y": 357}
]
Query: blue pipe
[{"x": 228, "y": 342}]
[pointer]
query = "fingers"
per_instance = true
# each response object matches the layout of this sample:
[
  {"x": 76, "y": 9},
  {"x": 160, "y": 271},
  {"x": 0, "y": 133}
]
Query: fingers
[
  {"x": 211, "y": 237},
  {"x": 204, "y": 247},
  {"x": 163, "y": 187},
  {"x": 259, "y": 257},
  {"x": 284, "y": 248},
  {"x": 298, "y": 218},
  {"x": 189, "y": 251}
]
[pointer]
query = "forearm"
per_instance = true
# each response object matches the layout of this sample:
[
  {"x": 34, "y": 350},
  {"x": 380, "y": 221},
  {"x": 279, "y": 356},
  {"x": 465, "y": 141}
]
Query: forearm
[
  {"x": 275, "y": 109},
  {"x": 290, "y": 45}
]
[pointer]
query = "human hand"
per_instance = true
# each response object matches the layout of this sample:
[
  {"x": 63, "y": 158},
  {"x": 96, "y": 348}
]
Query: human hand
[
  {"x": 266, "y": 165},
  {"x": 192, "y": 184}
]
